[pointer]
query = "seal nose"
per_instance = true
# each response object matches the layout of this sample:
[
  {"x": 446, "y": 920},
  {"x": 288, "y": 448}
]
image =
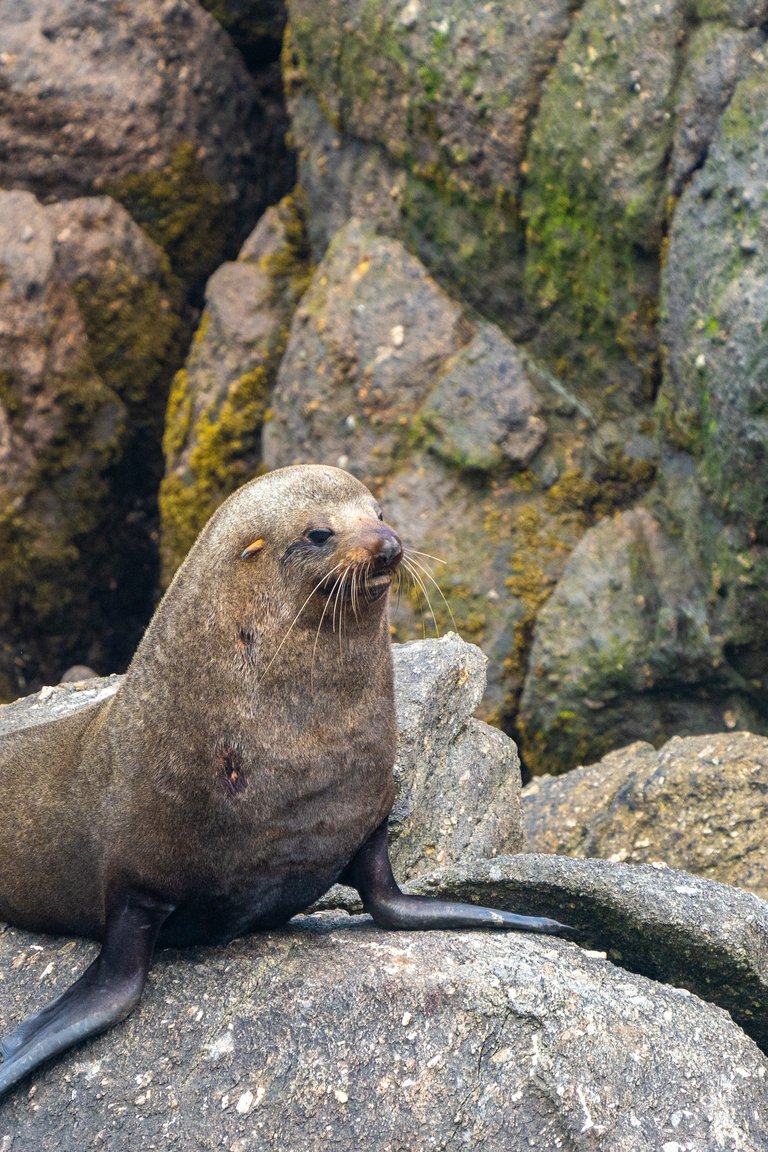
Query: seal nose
[{"x": 388, "y": 548}]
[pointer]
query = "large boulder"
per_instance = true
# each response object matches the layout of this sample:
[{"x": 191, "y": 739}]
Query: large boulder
[
  {"x": 333, "y": 1032},
  {"x": 147, "y": 101},
  {"x": 697, "y": 803},
  {"x": 88, "y": 337}
]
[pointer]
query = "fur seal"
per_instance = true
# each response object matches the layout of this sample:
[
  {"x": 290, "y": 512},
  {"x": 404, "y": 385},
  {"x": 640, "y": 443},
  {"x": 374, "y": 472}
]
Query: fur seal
[{"x": 243, "y": 766}]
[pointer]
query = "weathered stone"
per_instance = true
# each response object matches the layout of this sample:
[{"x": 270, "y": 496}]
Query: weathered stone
[
  {"x": 469, "y": 77},
  {"x": 594, "y": 201},
  {"x": 484, "y": 412},
  {"x": 366, "y": 344},
  {"x": 717, "y": 57},
  {"x": 715, "y": 294},
  {"x": 458, "y": 780},
  {"x": 219, "y": 399},
  {"x": 694, "y": 933},
  {"x": 334, "y": 1033},
  {"x": 87, "y": 332},
  {"x": 624, "y": 649},
  {"x": 133, "y": 96},
  {"x": 698, "y": 803}
]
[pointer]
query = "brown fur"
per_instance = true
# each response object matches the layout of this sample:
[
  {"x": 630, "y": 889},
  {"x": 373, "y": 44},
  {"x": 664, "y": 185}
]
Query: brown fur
[{"x": 247, "y": 753}]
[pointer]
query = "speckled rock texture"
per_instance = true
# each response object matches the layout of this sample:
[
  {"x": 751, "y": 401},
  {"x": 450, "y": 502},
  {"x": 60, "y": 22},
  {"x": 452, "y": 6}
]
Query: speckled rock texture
[
  {"x": 663, "y": 923},
  {"x": 697, "y": 803},
  {"x": 333, "y": 1033},
  {"x": 458, "y": 780},
  {"x": 88, "y": 338},
  {"x": 102, "y": 94}
]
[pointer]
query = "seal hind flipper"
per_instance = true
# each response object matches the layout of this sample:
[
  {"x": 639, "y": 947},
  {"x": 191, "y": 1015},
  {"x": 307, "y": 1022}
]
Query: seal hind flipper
[
  {"x": 105, "y": 993},
  {"x": 370, "y": 872}
]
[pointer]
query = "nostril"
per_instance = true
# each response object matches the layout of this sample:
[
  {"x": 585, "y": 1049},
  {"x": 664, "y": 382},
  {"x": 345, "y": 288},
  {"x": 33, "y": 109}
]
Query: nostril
[{"x": 390, "y": 549}]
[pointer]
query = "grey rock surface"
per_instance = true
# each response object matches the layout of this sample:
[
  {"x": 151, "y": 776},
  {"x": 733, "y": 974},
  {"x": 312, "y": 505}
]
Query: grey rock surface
[
  {"x": 458, "y": 780},
  {"x": 661, "y": 922},
  {"x": 333, "y": 1033},
  {"x": 484, "y": 411},
  {"x": 697, "y": 803},
  {"x": 365, "y": 347}
]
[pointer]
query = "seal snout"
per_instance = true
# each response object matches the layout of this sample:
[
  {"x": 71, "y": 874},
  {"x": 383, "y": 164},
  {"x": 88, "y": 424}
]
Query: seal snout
[{"x": 386, "y": 548}]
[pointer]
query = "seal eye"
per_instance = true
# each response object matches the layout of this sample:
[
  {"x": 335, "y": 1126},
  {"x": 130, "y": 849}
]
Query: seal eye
[{"x": 319, "y": 535}]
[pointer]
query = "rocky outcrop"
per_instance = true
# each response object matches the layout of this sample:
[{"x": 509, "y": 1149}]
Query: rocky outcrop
[
  {"x": 331, "y": 1031},
  {"x": 147, "y": 101},
  {"x": 666, "y": 924},
  {"x": 382, "y": 374},
  {"x": 88, "y": 334},
  {"x": 698, "y": 803},
  {"x": 560, "y": 238}
]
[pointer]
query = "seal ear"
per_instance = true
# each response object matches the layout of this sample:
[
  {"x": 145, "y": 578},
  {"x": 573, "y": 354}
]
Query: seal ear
[{"x": 252, "y": 549}]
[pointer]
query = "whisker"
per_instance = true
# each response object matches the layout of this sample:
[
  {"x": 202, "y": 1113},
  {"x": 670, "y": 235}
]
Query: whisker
[
  {"x": 427, "y": 555},
  {"x": 295, "y": 621},
  {"x": 319, "y": 626},
  {"x": 419, "y": 583},
  {"x": 431, "y": 578}
]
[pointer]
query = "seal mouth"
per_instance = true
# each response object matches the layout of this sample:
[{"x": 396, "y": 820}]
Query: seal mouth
[{"x": 367, "y": 582}]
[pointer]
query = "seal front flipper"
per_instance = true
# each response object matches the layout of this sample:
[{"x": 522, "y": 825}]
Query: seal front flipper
[
  {"x": 370, "y": 872},
  {"x": 106, "y": 992}
]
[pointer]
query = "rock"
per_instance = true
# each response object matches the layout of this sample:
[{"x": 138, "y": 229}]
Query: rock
[
  {"x": 147, "y": 101},
  {"x": 470, "y": 77},
  {"x": 484, "y": 411},
  {"x": 594, "y": 200},
  {"x": 219, "y": 399},
  {"x": 665, "y": 924},
  {"x": 624, "y": 649},
  {"x": 717, "y": 58},
  {"x": 715, "y": 289},
  {"x": 698, "y": 803},
  {"x": 458, "y": 780},
  {"x": 88, "y": 339},
  {"x": 333, "y": 1031},
  {"x": 365, "y": 346}
]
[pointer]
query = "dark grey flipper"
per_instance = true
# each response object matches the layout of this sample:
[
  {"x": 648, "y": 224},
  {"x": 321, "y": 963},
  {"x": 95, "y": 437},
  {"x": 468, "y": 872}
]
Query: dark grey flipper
[
  {"x": 370, "y": 872},
  {"x": 106, "y": 992}
]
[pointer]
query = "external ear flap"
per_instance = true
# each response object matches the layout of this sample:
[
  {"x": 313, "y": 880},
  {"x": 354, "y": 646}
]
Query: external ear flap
[{"x": 252, "y": 549}]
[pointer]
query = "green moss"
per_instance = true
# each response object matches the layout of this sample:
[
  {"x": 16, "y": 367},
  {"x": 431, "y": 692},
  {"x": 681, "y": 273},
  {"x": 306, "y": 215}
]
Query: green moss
[
  {"x": 616, "y": 482},
  {"x": 135, "y": 336},
  {"x": 209, "y": 456},
  {"x": 223, "y": 439},
  {"x": 10, "y": 398},
  {"x": 182, "y": 211}
]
